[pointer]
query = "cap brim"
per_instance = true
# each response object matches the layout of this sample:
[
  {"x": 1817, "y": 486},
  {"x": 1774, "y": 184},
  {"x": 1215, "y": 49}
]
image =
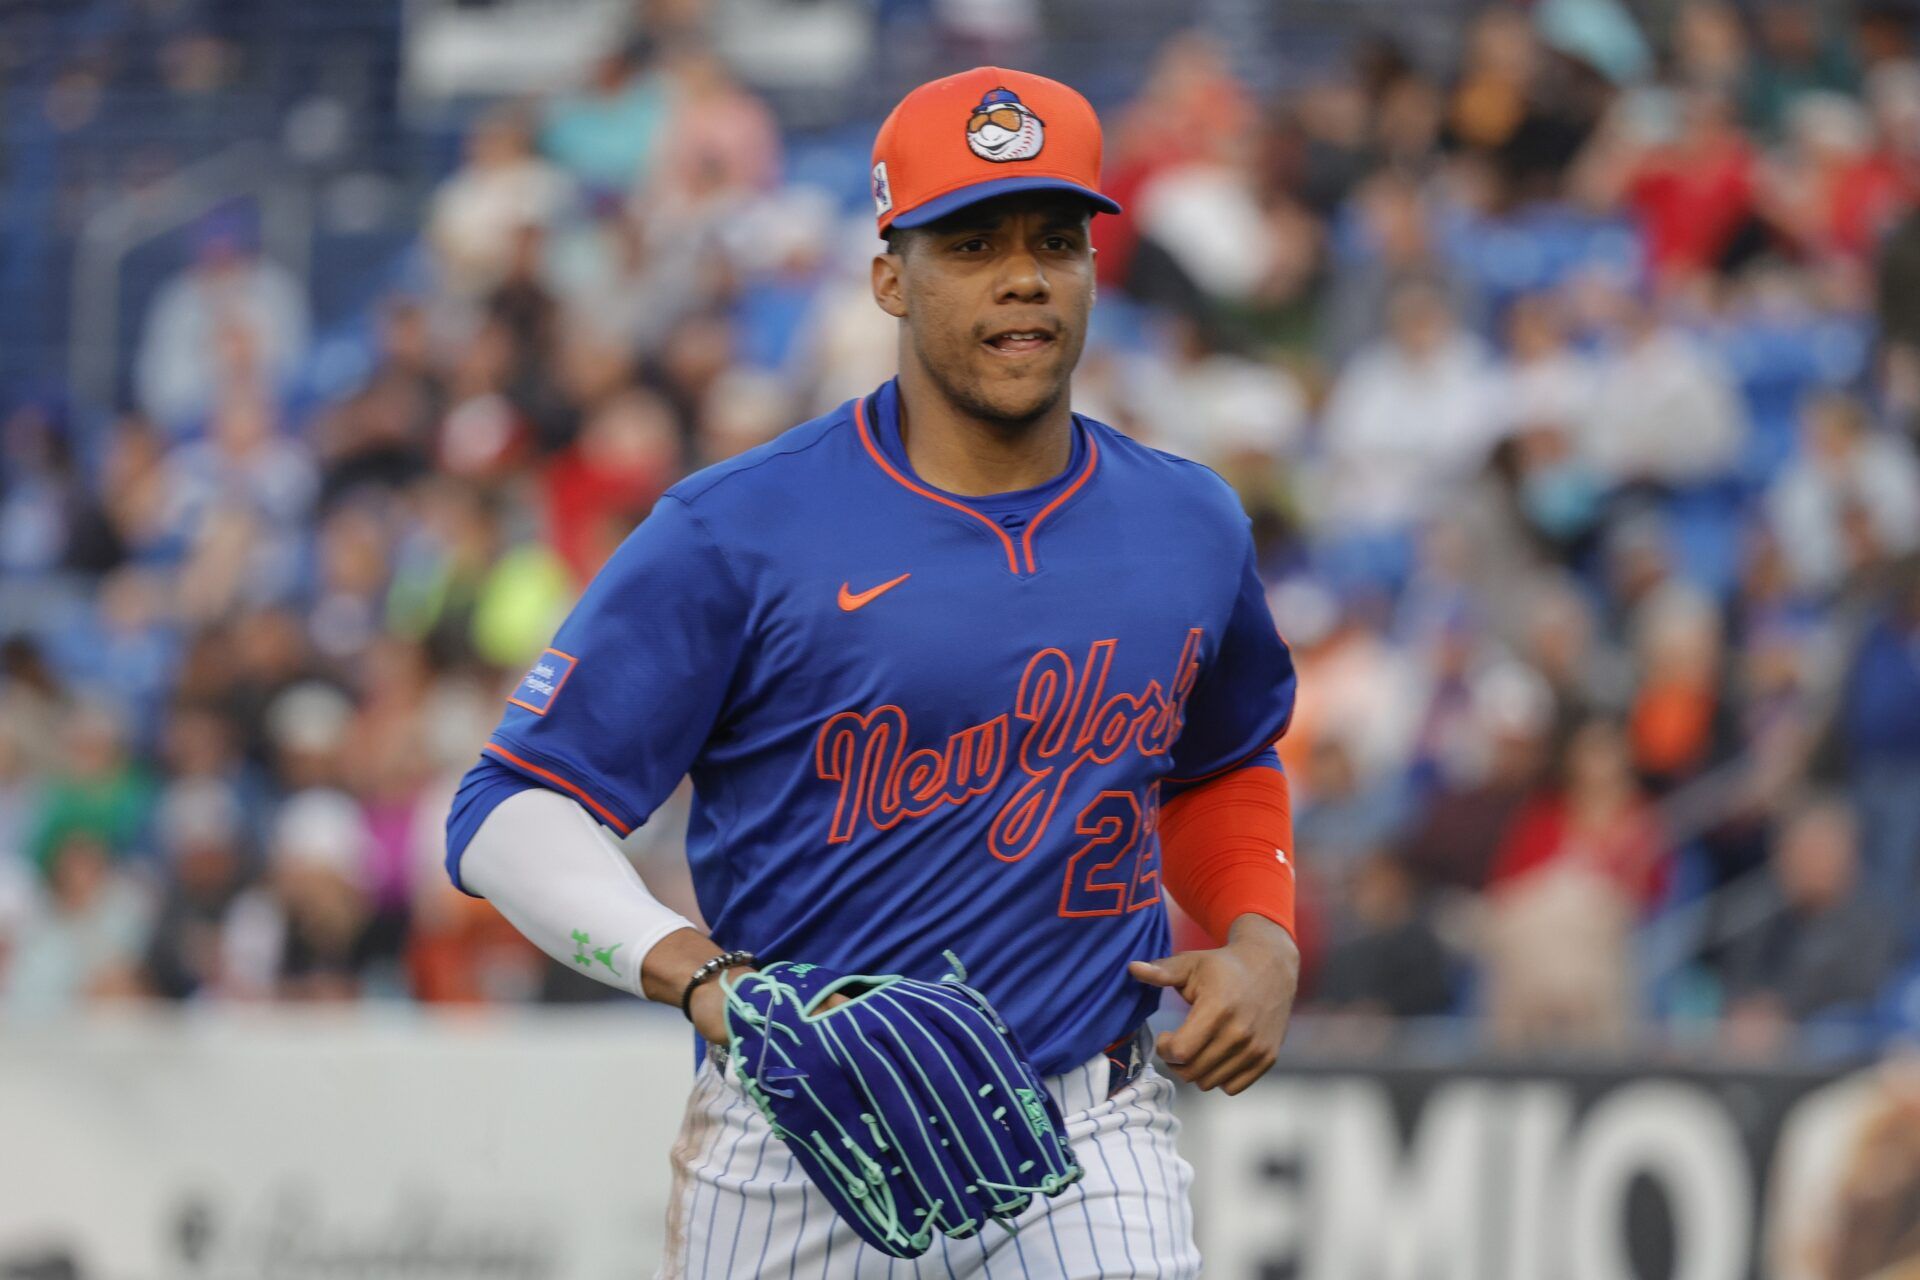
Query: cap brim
[{"x": 942, "y": 205}]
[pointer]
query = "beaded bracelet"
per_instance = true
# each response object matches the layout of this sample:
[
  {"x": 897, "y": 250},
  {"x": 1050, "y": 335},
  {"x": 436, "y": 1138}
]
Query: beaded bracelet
[{"x": 725, "y": 960}]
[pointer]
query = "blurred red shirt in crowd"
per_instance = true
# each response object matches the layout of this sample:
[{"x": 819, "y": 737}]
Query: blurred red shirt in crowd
[
  {"x": 600, "y": 486},
  {"x": 1597, "y": 817},
  {"x": 1694, "y": 194}
]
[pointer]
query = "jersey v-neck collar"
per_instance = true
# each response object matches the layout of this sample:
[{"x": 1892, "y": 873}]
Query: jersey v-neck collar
[{"x": 1013, "y": 516}]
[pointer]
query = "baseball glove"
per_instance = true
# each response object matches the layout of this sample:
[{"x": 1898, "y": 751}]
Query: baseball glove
[{"x": 909, "y": 1104}]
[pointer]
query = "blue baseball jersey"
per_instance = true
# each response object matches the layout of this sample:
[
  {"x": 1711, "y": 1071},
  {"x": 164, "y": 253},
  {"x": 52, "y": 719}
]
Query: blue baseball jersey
[{"x": 917, "y": 722}]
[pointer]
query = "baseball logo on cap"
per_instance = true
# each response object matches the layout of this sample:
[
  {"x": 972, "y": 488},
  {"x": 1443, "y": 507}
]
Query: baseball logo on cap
[
  {"x": 882, "y": 190},
  {"x": 1002, "y": 128}
]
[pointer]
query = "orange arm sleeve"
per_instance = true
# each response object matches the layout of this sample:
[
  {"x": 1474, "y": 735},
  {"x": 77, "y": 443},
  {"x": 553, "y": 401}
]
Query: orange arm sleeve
[{"x": 1226, "y": 849}]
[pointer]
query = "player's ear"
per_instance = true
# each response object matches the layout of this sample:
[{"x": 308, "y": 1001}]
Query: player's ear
[{"x": 889, "y": 290}]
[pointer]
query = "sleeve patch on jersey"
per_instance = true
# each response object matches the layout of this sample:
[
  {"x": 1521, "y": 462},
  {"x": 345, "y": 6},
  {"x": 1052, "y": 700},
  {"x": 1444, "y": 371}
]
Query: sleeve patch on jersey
[{"x": 541, "y": 685}]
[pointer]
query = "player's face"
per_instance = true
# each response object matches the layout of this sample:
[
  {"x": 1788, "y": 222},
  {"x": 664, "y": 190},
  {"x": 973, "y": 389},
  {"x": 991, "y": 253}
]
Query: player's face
[{"x": 996, "y": 300}]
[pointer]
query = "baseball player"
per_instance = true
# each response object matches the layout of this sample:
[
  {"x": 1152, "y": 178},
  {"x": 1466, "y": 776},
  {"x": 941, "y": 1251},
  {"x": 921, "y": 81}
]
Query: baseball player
[{"x": 953, "y": 669}]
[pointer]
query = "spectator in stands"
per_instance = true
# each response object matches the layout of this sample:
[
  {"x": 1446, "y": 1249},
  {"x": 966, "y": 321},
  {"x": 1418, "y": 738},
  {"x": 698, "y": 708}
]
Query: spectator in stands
[
  {"x": 523, "y": 311},
  {"x": 1557, "y": 970},
  {"x": 1824, "y": 945},
  {"x": 1710, "y": 47},
  {"x": 390, "y": 762},
  {"x": 19, "y": 879},
  {"x": 244, "y": 461},
  {"x": 1219, "y": 407},
  {"x": 306, "y": 726},
  {"x": 1191, "y": 107},
  {"x": 740, "y": 410},
  {"x": 1491, "y": 99},
  {"x": 442, "y": 569},
  {"x": 484, "y": 436},
  {"x": 1879, "y": 729},
  {"x": 721, "y": 147},
  {"x": 627, "y": 280},
  {"x": 244, "y": 668},
  {"x": 1679, "y": 162},
  {"x": 1665, "y": 413},
  {"x": 1596, "y": 817},
  {"x": 199, "y": 743},
  {"x": 1215, "y": 248},
  {"x": 1797, "y": 56},
  {"x": 1549, "y": 383},
  {"x": 1396, "y": 242},
  {"x": 138, "y": 481},
  {"x": 479, "y": 213},
  {"x": 606, "y": 133},
  {"x": 1850, "y": 498},
  {"x": 247, "y": 467},
  {"x": 49, "y": 520},
  {"x": 1897, "y": 313},
  {"x": 1831, "y": 192},
  {"x": 233, "y": 321},
  {"x": 1393, "y": 962},
  {"x": 303, "y": 935},
  {"x": 1893, "y": 96},
  {"x": 1385, "y": 478},
  {"x": 348, "y": 611},
  {"x": 1344, "y": 818},
  {"x": 1681, "y": 721},
  {"x": 100, "y": 794},
  {"x": 381, "y": 436},
  {"x": 522, "y": 602},
  {"x": 601, "y": 485},
  {"x": 88, "y": 943},
  {"x": 460, "y": 950},
  {"x": 1357, "y": 685},
  {"x": 134, "y": 645},
  {"x": 18, "y": 793},
  {"x": 202, "y": 840},
  {"x": 33, "y": 704},
  {"x": 1452, "y": 841},
  {"x": 1408, "y": 121},
  {"x": 697, "y": 354},
  {"x": 1574, "y": 872},
  {"x": 1523, "y": 110},
  {"x": 1448, "y": 631}
]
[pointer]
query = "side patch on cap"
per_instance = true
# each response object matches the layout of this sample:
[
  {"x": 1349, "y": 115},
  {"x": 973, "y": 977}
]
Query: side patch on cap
[
  {"x": 540, "y": 686},
  {"x": 882, "y": 192}
]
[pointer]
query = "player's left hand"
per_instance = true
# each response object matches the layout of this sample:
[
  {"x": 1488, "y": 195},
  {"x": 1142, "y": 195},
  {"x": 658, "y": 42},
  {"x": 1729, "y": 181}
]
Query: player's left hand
[{"x": 1241, "y": 997}]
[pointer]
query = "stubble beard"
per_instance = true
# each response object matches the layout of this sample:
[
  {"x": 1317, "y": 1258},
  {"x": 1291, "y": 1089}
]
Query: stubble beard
[{"x": 969, "y": 396}]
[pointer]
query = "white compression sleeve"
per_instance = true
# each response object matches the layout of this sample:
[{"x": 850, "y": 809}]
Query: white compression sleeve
[{"x": 546, "y": 865}]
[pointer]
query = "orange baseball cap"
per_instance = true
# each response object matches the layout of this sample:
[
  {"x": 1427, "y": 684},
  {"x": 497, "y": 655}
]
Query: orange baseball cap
[{"x": 983, "y": 133}]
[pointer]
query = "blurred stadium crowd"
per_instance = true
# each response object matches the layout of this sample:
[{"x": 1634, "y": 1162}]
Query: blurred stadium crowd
[{"x": 1572, "y": 382}]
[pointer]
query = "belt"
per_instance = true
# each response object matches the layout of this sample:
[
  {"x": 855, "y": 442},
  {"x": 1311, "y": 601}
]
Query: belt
[{"x": 1127, "y": 1057}]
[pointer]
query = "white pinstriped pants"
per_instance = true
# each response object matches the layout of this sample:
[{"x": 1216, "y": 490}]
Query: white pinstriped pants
[{"x": 742, "y": 1207}]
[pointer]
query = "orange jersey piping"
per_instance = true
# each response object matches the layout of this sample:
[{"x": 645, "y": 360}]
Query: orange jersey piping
[
  {"x": 1026, "y": 539},
  {"x": 866, "y": 438},
  {"x": 558, "y": 781}
]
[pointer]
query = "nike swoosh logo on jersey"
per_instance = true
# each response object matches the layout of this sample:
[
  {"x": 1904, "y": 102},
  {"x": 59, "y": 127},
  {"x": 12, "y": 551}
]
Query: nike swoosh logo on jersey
[{"x": 850, "y": 600}]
